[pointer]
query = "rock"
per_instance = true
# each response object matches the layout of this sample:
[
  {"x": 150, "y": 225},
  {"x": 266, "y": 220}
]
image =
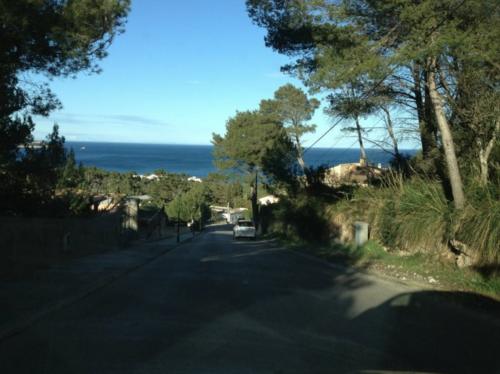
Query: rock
[
  {"x": 465, "y": 257},
  {"x": 464, "y": 261},
  {"x": 459, "y": 246},
  {"x": 432, "y": 280}
]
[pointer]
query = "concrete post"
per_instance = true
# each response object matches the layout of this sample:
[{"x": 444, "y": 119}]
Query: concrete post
[
  {"x": 65, "y": 242},
  {"x": 360, "y": 233},
  {"x": 130, "y": 223}
]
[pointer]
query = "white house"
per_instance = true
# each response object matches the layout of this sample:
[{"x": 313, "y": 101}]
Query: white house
[
  {"x": 268, "y": 200},
  {"x": 152, "y": 177}
]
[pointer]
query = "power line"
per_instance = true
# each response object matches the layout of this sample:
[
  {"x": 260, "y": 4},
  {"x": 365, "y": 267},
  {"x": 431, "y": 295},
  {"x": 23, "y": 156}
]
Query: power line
[
  {"x": 331, "y": 148},
  {"x": 324, "y": 134},
  {"x": 363, "y": 95}
]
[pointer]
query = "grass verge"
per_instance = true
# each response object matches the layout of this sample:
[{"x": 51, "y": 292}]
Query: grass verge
[{"x": 424, "y": 269}]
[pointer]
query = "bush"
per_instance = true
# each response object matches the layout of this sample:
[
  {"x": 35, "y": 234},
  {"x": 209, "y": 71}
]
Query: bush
[
  {"x": 478, "y": 225},
  {"x": 301, "y": 218},
  {"x": 415, "y": 215},
  {"x": 404, "y": 214}
]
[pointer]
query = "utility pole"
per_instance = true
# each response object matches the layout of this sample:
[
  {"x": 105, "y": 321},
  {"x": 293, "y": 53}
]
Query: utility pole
[
  {"x": 200, "y": 225},
  {"x": 178, "y": 223},
  {"x": 255, "y": 207}
]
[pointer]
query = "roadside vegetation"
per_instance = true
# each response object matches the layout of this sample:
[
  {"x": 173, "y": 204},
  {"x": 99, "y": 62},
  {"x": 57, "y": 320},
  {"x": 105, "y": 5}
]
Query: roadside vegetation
[
  {"x": 414, "y": 232},
  {"x": 427, "y": 270},
  {"x": 428, "y": 71}
]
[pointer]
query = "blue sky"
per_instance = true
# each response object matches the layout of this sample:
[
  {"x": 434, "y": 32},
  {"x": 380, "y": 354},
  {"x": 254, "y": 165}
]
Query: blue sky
[{"x": 180, "y": 70}]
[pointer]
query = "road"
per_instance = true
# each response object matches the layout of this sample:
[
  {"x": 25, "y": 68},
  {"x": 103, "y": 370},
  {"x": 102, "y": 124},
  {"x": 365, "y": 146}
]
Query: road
[{"x": 218, "y": 306}]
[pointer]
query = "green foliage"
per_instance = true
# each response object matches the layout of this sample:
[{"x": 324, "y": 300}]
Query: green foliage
[
  {"x": 351, "y": 103},
  {"x": 386, "y": 224},
  {"x": 59, "y": 37},
  {"x": 48, "y": 38},
  {"x": 293, "y": 109},
  {"x": 302, "y": 218},
  {"x": 34, "y": 179},
  {"x": 421, "y": 204},
  {"x": 478, "y": 225},
  {"x": 249, "y": 137},
  {"x": 190, "y": 206},
  {"x": 403, "y": 46},
  {"x": 171, "y": 191},
  {"x": 415, "y": 215},
  {"x": 102, "y": 182},
  {"x": 71, "y": 203},
  {"x": 13, "y": 132},
  {"x": 166, "y": 188},
  {"x": 407, "y": 215},
  {"x": 72, "y": 175},
  {"x": 53, "y": 38},
  {"x": 256, "y": 141},
  {"x": 223, "y": 190}
]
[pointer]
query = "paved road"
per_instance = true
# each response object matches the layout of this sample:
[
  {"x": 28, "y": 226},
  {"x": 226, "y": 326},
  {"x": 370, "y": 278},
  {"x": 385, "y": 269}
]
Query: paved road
[{"x": 218, "y": 306}]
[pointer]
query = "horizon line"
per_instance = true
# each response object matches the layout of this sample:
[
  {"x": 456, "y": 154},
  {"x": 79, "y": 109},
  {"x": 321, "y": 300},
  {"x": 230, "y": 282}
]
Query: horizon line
[{"x": 210, "y": 145}]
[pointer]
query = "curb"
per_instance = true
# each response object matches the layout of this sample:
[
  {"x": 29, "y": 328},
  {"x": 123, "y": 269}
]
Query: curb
[
  {"x": 410, "y": 286},
  {"x": 366, "y": 272},
  {"x": 21, "y": 324}
]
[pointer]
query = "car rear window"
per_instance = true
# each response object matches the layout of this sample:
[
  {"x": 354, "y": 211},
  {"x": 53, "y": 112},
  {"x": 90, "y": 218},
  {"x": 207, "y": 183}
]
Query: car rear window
[{"x": 245, "y": 224}]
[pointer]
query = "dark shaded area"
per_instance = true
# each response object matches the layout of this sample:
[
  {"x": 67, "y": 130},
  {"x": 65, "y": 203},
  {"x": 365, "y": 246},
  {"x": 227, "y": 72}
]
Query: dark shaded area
[
  {"x": 303, "y": 215},
  {"x": 219, "y": 306},
  {"x": 299, "y": 219},
  {"x": 30, "y": 244},
  {"x": 428, "y": 330},
  {"x": 488, "y": 270}
]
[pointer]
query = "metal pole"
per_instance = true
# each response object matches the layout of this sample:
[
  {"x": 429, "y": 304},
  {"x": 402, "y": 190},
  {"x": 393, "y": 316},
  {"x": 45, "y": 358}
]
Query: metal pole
[
  {"x": 178, "y": 224},
  {"x": 255, "y": 207},
  {"x": 256, "y": 199},
  {"x": 256, "y": 184}
]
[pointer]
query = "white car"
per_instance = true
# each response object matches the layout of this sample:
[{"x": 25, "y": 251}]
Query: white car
[{"x": 244, "y": 229}]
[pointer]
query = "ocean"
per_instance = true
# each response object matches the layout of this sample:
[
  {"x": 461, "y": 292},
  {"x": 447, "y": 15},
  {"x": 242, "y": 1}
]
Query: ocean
[{"x": 194, "y": 160}]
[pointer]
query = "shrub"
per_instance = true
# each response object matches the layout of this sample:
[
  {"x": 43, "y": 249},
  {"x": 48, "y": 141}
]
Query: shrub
[
  {"x": 302, "y": 218},
  {"x": 405, "y": 214},
  {"x": 478, "y": 225},
  {"x": 415, "y": 215}
]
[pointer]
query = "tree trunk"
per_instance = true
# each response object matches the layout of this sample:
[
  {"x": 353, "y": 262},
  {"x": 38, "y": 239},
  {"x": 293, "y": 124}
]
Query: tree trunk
[
  {"x": 430, "y": 131},
  {"x": 363, "y": 158},
  {"x": 300, "y": 158},
  {"x": 447, "y": 139},
  {"x": 390, "y": 130},
  {"x": 485, "y": 152},
  {"x": 483, "y": 165},
  {"x": 426, "y": 137}
]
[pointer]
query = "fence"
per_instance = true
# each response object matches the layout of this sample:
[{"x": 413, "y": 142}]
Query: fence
[{"x": 42, "y": 238}]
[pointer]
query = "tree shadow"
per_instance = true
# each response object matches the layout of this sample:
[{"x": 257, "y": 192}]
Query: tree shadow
[
  {"x": 434, "y": 331},
  {"x": 488, "y": 270},
  {"x": 254, "y": 306}
]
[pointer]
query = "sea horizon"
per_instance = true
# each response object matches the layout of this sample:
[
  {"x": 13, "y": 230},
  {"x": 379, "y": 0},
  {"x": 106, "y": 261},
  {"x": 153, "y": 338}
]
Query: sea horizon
[
  {"x": 209, "y": 145},
  {"x": 194, "y": 159}
]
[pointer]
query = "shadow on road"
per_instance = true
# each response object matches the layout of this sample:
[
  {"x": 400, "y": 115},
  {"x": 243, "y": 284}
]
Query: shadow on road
[
  {"x": 250, "y": 306},
  {"x": 432, "y": 333}
]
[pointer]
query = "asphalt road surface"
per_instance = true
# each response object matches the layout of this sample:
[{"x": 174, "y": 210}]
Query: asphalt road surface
[{"x": 218, "y": 306}]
